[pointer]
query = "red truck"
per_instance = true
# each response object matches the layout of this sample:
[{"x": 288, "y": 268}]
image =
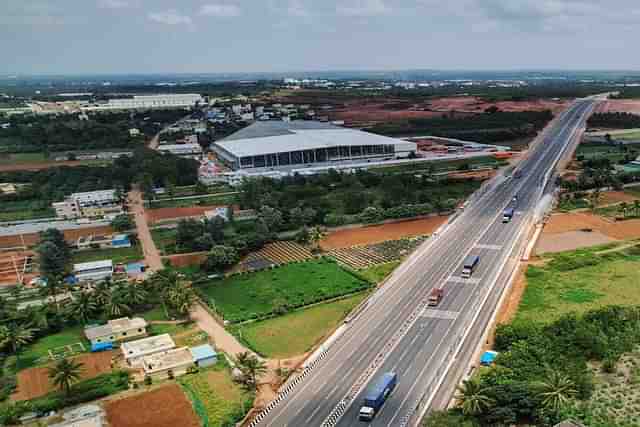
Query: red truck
[{"x": 435, "y": 296}]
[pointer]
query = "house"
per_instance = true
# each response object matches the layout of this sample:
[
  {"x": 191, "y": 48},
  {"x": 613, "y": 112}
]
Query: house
[
  {"x": 96, "y": 270},
  {"x": 83, "y": 416},
  {"x": 116, "y": 330},
  {"x": 134, "y": 132},
  {"x": 488, "y": 358},
  {"x": 204, "y": 355},
  {"x": 8, "y": 188},
  {"x": 88, "y": 204},
  {"x": 223, "y": 212},
  {"x": 108, "y": 241},
  {"x": 170, "y": 363},
  {"x": 135, "y": 351},
  {"x": 120, "y": 241}
]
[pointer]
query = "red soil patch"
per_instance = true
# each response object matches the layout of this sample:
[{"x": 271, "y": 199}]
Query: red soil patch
[
  {"x": 71, "y": 236},
  {"x": 162, "y": 407},
  {"x": 9, "y": 261},
  {"x": 155, "y": 215},
  {"x": 380, "y": 233},
  {"x": 619, "y": 106},
  {"x": 34, "y": 382},
  {"x": 36, "y": 166},
  {"x": 472, "y": 104},
  {"x": 623, "y": 230},
  {"x": 186, "y": 260},
  {"x": 611, "y": 197}
]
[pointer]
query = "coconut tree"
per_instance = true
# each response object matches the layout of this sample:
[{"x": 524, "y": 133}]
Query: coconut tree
[
  {"x": 636, "y": 207},
  {"x": 473, "y": 398},
  {"x": 102, "y": 293},
  {"x": 64, "y": 373},
  {"x": 133, "y": 293},
  {"x": 83, "y": 307},
  {"x": 116, "y": 305},
  {"x": 556, "y": 391},
  {"x": 14, "y": 337},
  {"x": 623, "y": 208},
  {"x": 251, "y": 367}
]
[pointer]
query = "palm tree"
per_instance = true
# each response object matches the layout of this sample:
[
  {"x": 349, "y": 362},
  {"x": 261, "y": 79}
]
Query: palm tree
[
  {"x": 251, "y": 367},
  {"x": 65, "y": 373},
  {"x": 315, "y": 235},
  {"x": 473, "y": 398},
  {"x": 14, "y": 337},
  {"x": 595, "y": 197},
  {"x": 556, "y": 391},
  {"x": 83, "y": 307},
  {"x": 40, "y": 316},
  {"x": 623, "y": 207},
  {"x": 135, "y": 294},
  {"x": 116, "y": 306},
  {"x": 636, "y": 207},
  {"x": 102, "y": 293}
]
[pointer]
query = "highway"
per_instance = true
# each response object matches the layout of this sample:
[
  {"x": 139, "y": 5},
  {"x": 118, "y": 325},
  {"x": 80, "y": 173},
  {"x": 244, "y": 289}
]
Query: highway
[{"x": 397, "y": 332}]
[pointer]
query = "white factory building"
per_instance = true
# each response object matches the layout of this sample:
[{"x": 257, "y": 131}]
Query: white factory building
[
  {"x": 88, "y": 204},
  {"x": 286, "y": 145},
  {"x": 182, "y": 100},
  {"x": 192, "y": 149}
]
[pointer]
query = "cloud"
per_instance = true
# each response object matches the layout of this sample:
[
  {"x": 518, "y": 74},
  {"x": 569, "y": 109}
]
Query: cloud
[
  {"x": 363, "y": 8},
  {"x": 113, "y": 4},
  {"x": 298, "y": 9},
  {"x": 220, "y": 10},
  {"x": 170, "y": 17}
]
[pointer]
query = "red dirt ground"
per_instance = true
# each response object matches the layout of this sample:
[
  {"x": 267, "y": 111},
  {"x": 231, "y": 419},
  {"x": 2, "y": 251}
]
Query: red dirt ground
[
  {"x": 472, "y": 104},
  {"x": 620, "y": 106},
  {"x": 36, "y": 166},
  {"x": 574, "y": 221},
  {"x": 162, "y": 407},
  {"x": 155, "y": 215},
  {"x": 380, "y": 233},
  {"x": 71, "y": 235},
  {"x": 611, "y": 197},
  {"x": 34, "y": 382},
  {"x": 186, "y": 260},
  {"x": 8, "y": 263}
]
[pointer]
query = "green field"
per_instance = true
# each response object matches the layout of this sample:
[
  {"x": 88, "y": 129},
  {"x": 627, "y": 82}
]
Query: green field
[
  {"x": 296, "y": 333},
  {"x": 30, "y": 355},
  {"x": 25, "y": 210},
  {"x": 165, "y": 240},
  {"x": 578, "y": 281},
  {"x": 206, "y": 200},
  {"x": 599, "y": 151},
  {"x": 120, "y": 255},
  {"x": 379, "y": 272},
  {"x": 215, "y": 397},
  {"x": 22, "y": 158},
  {"x": 257, "y": 295},
  {"x": 444, "y": 165}
]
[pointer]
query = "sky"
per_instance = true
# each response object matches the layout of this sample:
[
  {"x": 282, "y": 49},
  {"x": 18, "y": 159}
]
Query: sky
[{"x": 225, "y": 36}]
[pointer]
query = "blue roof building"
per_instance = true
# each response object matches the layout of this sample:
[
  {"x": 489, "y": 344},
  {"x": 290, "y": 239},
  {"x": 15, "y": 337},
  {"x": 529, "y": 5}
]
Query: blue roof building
[
  {"x": 488, "y": 358},
  {"x": 204, "y": 355},
  {"x": 120, "y": 241}
]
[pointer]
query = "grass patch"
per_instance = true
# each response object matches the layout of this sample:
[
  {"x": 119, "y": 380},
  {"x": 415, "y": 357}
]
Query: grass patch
[
  {"x": 296, "y": 333},
  {"x": 258, "y": 295},
  {"x": 579, "y": 281},
  {"x": 117, "y": 255},
  {"x": 206, "y": 200},
  {"x": 39, "y": 348},
  {"x": 165, "y": 240},
  {"x": 378, "y": 273},
  {"x": 216, "y": 399}
]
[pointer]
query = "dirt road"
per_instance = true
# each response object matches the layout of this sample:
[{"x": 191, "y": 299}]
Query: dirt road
[
  {"x": 223, "y": 339},
  {"x": 151, "y": 254}
]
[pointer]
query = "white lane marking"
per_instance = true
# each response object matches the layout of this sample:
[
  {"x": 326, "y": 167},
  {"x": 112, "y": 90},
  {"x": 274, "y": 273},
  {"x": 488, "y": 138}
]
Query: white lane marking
[
  {"x": 489, "y": 247},
  {"x": 462, "y": 281},
  {"x": 441, "y": 314}
]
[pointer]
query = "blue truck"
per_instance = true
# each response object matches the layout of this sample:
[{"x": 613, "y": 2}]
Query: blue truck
[
  {"x": 376, "y": 395},
  {"x": 507, "y": 215},
  {"x": 470, "y": 264}
]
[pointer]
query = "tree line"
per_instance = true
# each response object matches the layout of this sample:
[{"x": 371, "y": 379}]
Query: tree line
[{"x": 614, "y": 120}]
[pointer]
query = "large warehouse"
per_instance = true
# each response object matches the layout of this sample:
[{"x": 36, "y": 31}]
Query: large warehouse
[{"x": 281, "y": 145}]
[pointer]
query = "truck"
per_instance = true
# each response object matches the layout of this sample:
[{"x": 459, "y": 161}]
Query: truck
[
  {"x": 435, "y": 296},
  {"x": 376, "y": 395},
  {"x": 470, "y": 264},
  {"x": 507, "y": 215}
]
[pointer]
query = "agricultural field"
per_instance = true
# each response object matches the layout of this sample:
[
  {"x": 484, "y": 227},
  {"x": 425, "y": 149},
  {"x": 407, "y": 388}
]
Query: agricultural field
[
  {"x": 271, "y": 254},
  {"x": 378, "y": 273},
  {"x": 579, "y": 281},
  {"x": 25, "y": 210},
  {"x": 592, "y": 151},
  {"x": 205, "y": 200},
  {"x": 441, "y": 166},
  {"x": 297, "y": 332},
  {"x": 120, "y": 255},
  {"x": 361, "y": 257},
  {"x": 256, "y": 295},
  {"x": 165, "y": 240},
  {"x": 163, "y": 407},
  {"x": 35, "y": 353},
  {"x": 215, "y": 397}
]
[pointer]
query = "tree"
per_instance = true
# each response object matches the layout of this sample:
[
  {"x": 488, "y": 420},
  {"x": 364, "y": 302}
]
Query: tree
[
  {"x": 133, "y": 293},
  {"x": 215, "y": 228},
  {"x": 83, "y": 307},
  {"x": 636, "y": 208},
  {"x": 221, "y": 257},
  {"x": 187, "y": 232},
  {"x": 271, "y": 217},
  {"x": 116, "y": 305},
  {"x": 251, "y": 368},
  {"x": 446, "y": 419},
  {"x": 102, "y": 293},
  {"x": 122, "y": 223},
  {"x": 556, "y": 391},
  {"x": 56, "y": 237},
  {"x": 15, "y": 336},
  {"x": 623, "y": 208},
  {"x": 595, "y": 197},
  {"x": 473, "y": 398},
  {"x": 51, "y": 259},
  {"x": 64, "y": 373}
]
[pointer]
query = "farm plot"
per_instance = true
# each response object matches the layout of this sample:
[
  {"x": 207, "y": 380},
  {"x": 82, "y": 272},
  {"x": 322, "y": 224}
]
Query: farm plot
[
  {"x": 360, "y": 257},
  {"x": 161, "y": 214},
  {"x": 278, "y": 253},
  {"x": 163, "y": 407},
  {"x": 35, "y": 382},
  {"x": 258, "y": 295}
]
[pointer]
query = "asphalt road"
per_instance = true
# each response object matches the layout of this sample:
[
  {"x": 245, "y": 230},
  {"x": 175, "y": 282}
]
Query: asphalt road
[{"x": 397, "y": 331}]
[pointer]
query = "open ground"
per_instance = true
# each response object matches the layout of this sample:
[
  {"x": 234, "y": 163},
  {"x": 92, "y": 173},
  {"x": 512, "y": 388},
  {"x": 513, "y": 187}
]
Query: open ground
[
  {"x": 163, "y": 407},
  {"x": 619, "y": 106}
]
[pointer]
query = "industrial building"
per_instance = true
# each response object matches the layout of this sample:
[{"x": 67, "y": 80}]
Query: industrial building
[
  {"x": 182, "y": 100},
  {"x": 286, "y": 145},
  {"x": 181, "y": 149},
  {"x": 88, "y": 205},
  {"x": 116, "y": 330}
]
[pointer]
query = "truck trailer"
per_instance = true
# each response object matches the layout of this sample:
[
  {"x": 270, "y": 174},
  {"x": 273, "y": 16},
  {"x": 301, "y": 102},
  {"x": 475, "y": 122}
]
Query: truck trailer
[
  {"x": 507, "y": 215},
  {"x": 376, "y": 395},
  {"x": 470, "y": 264},
  {"x": 435, "y": 296}
]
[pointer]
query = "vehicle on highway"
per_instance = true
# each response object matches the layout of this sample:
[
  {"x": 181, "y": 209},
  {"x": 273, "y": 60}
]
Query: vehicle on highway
[
  {"x": 376, "y": 395},
  {"x": 435, "y": 296},
  {"x": 470, "y": 264},
  {"x": 517, "y": 174},
  {"x": 507, "y": 215}
]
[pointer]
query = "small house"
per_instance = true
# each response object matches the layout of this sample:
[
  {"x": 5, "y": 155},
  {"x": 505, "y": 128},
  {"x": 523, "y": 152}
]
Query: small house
[
  {"x": 204, "y": 355},
  {"x": 116, "y": 330},
  {"x": 135, "y": 351},
  {"x": 168, "y": 364},
  {"x": 488, "y": 358}
]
